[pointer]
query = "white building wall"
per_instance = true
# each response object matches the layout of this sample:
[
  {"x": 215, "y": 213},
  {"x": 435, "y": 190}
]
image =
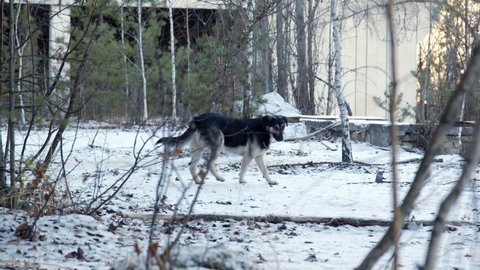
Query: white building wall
[
  {"x": 59, "y": 36},
  {"x": 366, "y": 51},
  {"x": 366, "y": 55}
]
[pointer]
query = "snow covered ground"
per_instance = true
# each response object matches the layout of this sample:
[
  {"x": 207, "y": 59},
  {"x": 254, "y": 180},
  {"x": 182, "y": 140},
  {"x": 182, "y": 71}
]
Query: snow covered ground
[
  {"x": 312, "y": 183},
  {"x": 242, "y": 225}
]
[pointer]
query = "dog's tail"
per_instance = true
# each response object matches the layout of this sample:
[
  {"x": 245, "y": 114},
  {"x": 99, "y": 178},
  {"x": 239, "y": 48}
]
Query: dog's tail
[{"x": 179, "y": 141}]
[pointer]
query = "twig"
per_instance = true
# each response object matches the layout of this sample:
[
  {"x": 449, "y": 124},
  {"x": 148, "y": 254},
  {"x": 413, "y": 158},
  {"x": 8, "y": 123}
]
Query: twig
[
  {"x": 396, "y": 224},
  {"x": 469, "y": 79},
  {"x": 451, "y": 199}
]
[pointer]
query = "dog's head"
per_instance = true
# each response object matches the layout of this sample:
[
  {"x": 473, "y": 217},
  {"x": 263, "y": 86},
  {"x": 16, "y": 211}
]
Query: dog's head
[{"x": 275, "y": 124}]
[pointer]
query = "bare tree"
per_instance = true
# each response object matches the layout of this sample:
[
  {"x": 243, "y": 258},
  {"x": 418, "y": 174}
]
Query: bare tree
[
  {"x": 172, "y": 52},
  {"x": 11, "y": 97},
  {"x": 21, "y": 48},
  {"x": 303, "y": 99},
  {"x": 3, "y": 168},
  {"x": 282, "y": 86},
  {"x": 342, "y": 104},
  {"x": 248, "y": 91},
  {"x": 311, "y": 29},
  {"x": 3, "y": 162},
  {"x": 142, "y": 60},
  {"x": 472, "y": 159},
  {"x": 125, "y": 61},
  {"x": 393, "y": 136},
  {"x": 465, "y": 87}
]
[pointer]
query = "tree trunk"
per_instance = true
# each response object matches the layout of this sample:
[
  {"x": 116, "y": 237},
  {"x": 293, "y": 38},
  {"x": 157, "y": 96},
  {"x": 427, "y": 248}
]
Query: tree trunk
[
  {"x": 265, "y": 56},
  {"x": 3, "y": 168},
  {"x": 466, "y": 87},
  {"x": 393, "y": 137},
  {"x": 302, "y": 98},
  {"x": 342, "y": 104},
  {"x": 310, "y": 57},
  {"x": 11, "y": 97},
  {"x": 125, "y": 62},
  {"x": 142, "y": 61},
  {"x": 248, "y": 91},
  {"x": 3, "y": 162},
  {"x": 282, "y": 86},
  {"x": 172, "y": 52},
  {"x": 20, "y": 51}
]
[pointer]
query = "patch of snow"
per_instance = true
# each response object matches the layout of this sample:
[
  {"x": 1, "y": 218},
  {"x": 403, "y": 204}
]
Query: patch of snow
[
  {"x": 275, "y": 104},
  {"x": 312, "y": 183}
]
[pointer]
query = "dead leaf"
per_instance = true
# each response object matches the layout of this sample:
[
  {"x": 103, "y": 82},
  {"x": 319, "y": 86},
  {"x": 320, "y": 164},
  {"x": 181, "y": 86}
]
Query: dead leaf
[
  {"x": 24, "y": 231},
  {"x": 112, "y": 228},
  {"x": 202, "y": 175},
  {"x": 177, "y": 152},
  {"x": 152, "y": 248},
  {"x": 79, "y": 255},
  {"x": 137, "y": 250}
]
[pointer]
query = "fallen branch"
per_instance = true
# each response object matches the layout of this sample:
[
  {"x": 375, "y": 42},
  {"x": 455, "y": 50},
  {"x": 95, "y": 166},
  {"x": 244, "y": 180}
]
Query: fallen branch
[
  {"x": 308, "y": 136},
  {"x": 329, "y": 221},
  {"x": 361, "y": 163}
]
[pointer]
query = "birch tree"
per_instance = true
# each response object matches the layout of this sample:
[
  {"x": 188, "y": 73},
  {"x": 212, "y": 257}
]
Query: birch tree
[
  {"x": 3, "y": 169},
  {"x": 247, "y": 96},
  {"x": 3, "y": 162},
  {"x": 11, "y": 97},
  {"x": 172, "y": 52},
  {"x": 142, "y": 60},
  {"x": 282, "y": 86},
  {"x": 125, "y": 60},
  {"x": 342, "y": 105},
  {"x": 21, "y": 49}
]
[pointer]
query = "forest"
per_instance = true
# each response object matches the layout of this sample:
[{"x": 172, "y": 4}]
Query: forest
[{"x": 72, "y": 72}]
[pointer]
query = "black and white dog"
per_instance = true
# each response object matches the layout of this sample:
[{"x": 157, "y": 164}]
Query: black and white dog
[{"x": 249, "y": 138}]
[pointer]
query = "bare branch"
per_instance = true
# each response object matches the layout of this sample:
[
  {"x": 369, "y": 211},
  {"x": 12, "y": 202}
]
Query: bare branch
[
  {"x": 466, "y": 86},
  {"x": 471, "y": 164}
]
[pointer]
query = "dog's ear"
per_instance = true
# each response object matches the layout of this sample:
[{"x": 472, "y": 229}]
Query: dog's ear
[
  {"x": 266, "y": 119},
  {"x": 285, "y": 119}
]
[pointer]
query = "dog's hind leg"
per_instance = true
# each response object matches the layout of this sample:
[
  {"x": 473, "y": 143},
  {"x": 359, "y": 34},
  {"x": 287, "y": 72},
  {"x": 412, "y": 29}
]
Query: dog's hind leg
[
  {"x": 215, "y": 150},
  {"x": 263, "y": 169},
  {"x": 245, "y": 162},
  {"x": 196, "y": 156}
]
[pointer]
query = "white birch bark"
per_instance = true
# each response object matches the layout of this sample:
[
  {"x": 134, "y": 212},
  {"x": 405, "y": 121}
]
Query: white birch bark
[
  {"x": 342, "y": 105},
  {"x": 142, "y": 62},
  {"x": 281, "y": 57},
  {"x": 249, "y": 90},
  {"x": 172, "y": 52},
  {"x": 20, "y": 65},
  {"x": 125, "y": 61}
]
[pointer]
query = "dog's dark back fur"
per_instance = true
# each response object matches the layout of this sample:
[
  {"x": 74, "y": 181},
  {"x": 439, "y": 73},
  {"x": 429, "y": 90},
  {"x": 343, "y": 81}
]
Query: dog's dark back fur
[
  {"x": 249, "y": 138},
  {"x": 236, "y": 131}
]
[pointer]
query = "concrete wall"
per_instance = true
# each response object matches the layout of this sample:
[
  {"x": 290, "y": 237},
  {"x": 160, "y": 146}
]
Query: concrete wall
[{"x": 410, "y": 135}]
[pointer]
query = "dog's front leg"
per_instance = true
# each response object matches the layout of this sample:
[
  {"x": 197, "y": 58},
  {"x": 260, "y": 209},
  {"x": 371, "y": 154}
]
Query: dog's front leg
[
  {"x": 263, "y": 169},
  {"x": 245, "y": 162}
]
